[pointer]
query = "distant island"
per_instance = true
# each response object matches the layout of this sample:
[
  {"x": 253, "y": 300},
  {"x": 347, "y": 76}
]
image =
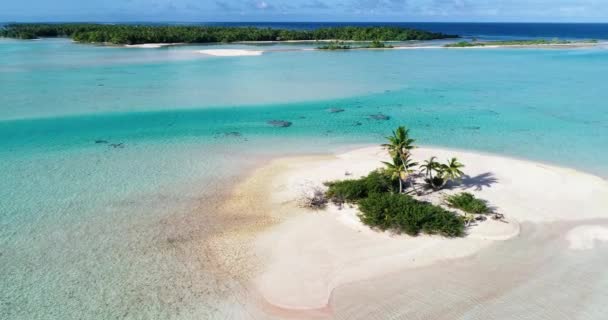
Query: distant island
[
  {"x": 535, "y": 42},
  {"x": 339, "y": 45},
  {"x": 141, "y": 34}
]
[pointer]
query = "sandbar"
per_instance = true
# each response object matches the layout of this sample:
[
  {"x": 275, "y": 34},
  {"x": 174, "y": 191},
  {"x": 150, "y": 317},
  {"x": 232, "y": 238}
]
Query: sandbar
[
  {"x": 306, "y": 254},
  {"x": 231, "y": 52}
]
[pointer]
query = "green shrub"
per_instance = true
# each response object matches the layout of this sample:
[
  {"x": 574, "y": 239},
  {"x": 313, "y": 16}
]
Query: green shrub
[
  {"x": 354, "y": 190},
  {"x": 335, "y": 45},
  {"x": 467, "y": 203},
  {"x": 346, "y": 191},
  {"x": 377, "y": 45},
  {"x": 462, "y": 44},
  {"x": 402, "y": 213},
  {"x": 436, "y": 182}
]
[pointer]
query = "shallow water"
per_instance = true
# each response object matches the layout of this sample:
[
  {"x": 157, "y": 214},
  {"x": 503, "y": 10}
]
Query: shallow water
[{"x": 113, "y": 161}]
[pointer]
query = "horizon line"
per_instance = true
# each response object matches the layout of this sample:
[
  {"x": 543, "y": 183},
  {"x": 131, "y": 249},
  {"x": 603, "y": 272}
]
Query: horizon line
[{"x": 344, "y": 21}]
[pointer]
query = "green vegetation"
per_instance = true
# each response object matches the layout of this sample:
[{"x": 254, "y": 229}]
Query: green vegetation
[
  {"x": 528, "y": 42},
  {"x": 377, "y": 45},
  {"x": 340, "y": 45},
  {"x": 138, "y": 34},
  {"x": 380, "y": 199},
  {"x": 402, "y": 213},
  {"x": 467, "y": 203},
  {"x": 383, "y": 204},
  {"x": 335, "y": 45},
  {"x": 437, "y": 175},
  {"x": 399, "y": 146},
  {"x": 383, "y": 207},
  {"x": 451, "y": 170},
  {"x": 354, "y": 190},
  {"x": 465, "y": 44},
  {"x": 428, "y": 167}
]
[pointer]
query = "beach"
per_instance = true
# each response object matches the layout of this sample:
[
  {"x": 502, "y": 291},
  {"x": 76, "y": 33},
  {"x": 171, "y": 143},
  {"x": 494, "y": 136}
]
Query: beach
[
  {"x": 231, "y": 52},
  {"x": 307, "y": 257},
  {"x": 152, "y": 45}
]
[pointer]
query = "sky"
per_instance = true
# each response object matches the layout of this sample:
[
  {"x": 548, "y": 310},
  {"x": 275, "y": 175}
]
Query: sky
[{"x": 306, "y": 10}]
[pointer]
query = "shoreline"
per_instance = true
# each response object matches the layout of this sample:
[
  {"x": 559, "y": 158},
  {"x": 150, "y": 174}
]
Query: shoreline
[
  {"x": 231, "y": 52},
  {"x": 150, "y": 45},
  {"x": 489, "y": 45},
  {"x": 247, "y": 52},
  {"x": 300, "y": 270},
  {"x": 575, "y": 45}
]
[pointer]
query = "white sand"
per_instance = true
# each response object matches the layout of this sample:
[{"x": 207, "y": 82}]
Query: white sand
[
  {"x": 151, "y": 45},
  {"x": 231, "y": 52},
  {"x": 311, "y": 253},
  {"x": 585, "y": 237},
  {"x": 416, "y": 47}
]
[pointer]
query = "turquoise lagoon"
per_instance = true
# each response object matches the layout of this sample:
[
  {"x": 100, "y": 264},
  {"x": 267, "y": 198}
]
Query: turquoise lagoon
[{"x": 114, "y": 161}]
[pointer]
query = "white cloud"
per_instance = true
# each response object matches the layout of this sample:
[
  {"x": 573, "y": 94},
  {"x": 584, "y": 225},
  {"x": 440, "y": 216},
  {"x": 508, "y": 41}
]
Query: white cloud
[{"x": 262, "y": 5}]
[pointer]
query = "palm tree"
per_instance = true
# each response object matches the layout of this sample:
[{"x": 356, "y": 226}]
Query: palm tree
[
  {"x": 401, "y": 168},
  {"x": 400, "y": 143},
  {"x": 451, "y": 170},
  {"x": 408, "y": 166},
  {"x": 429, "y": 166},
  {"x": 395, "y": 169}
]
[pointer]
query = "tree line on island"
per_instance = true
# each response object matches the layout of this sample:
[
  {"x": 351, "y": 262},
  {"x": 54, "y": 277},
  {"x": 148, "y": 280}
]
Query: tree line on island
[
  {"x": 387, "y": 197},
  {"x": 506, "y": 43},
  {"x": 341, "y": 45},
  {"x": 140, "y": 34}
]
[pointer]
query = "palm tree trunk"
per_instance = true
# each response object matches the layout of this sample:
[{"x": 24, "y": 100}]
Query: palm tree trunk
[
  {"x": 400, "y": 184},
  {"x": 413, "y": 184}
]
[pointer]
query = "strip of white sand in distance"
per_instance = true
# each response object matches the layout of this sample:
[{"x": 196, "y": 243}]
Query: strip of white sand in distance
[
  {"x": 151, "y": 45},
  {"x": 310, "y": 253},
  {"x": 231, "y": 52}
]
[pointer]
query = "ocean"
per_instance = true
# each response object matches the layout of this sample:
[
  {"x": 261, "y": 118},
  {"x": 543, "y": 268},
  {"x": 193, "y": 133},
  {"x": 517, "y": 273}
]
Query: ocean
[{"x": 114, "y": 161}]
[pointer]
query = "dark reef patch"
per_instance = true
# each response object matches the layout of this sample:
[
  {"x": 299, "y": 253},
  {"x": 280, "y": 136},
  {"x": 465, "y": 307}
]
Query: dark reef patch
[{"x": 279, "y": 123}]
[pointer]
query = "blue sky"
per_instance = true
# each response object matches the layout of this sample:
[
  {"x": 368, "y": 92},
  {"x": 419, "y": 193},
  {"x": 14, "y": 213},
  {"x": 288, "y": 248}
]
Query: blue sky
[{"x": 306, "y": 10}]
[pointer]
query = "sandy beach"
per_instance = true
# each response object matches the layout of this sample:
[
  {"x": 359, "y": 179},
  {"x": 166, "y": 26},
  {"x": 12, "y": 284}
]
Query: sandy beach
[
  {"x": 152, "y": 45},
  {"x": 231, "y": 52},
  {"x": 306, "y": 257}
]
